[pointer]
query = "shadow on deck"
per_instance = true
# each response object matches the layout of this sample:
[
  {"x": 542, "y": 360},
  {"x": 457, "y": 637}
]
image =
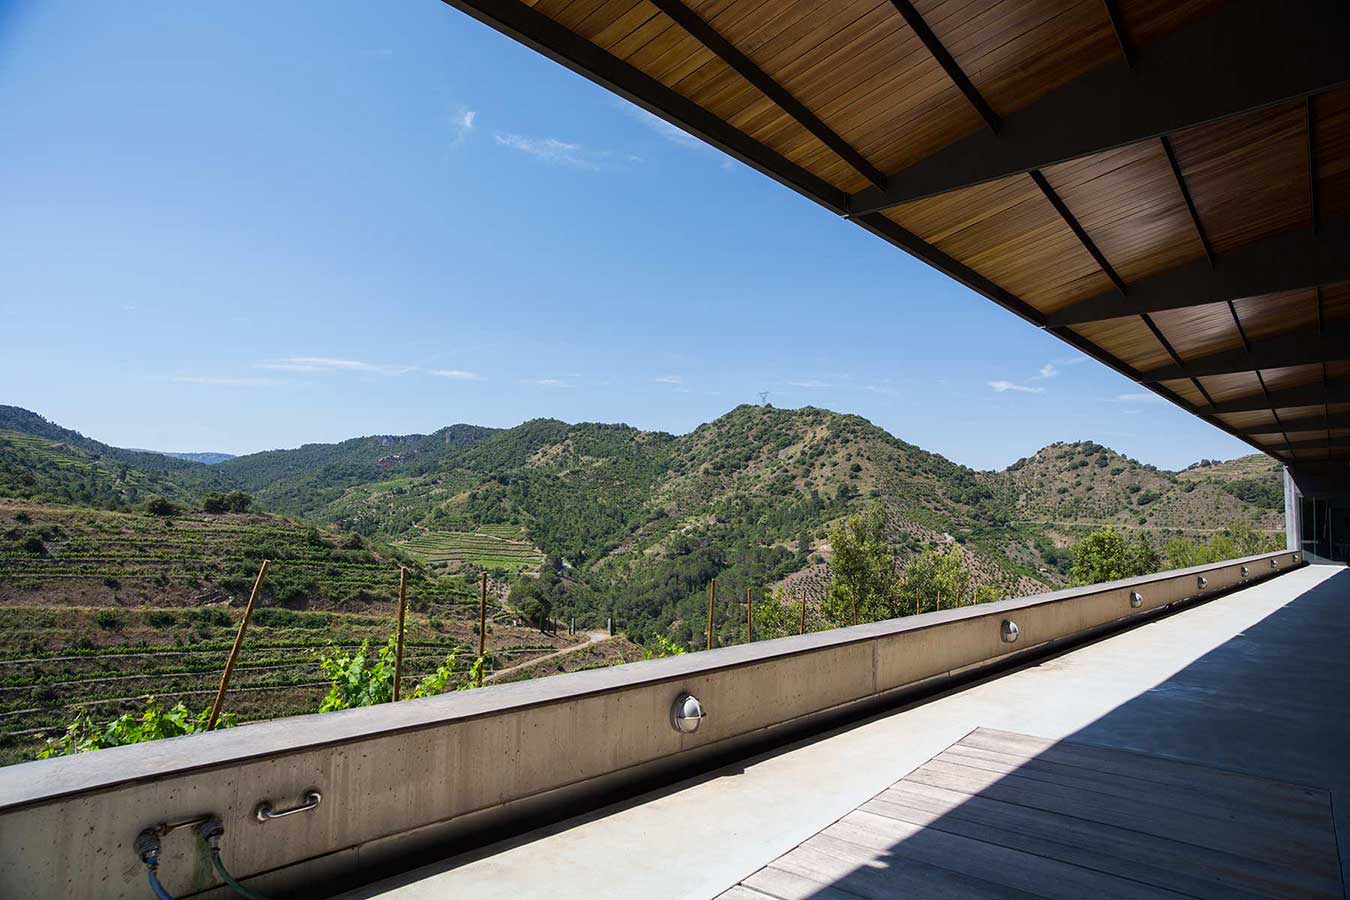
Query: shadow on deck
[{"x": 1218, "y": 782}]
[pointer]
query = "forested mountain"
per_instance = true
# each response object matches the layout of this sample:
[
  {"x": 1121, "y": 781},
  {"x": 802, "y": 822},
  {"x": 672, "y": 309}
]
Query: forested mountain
[{"x": 634, "y": 524}]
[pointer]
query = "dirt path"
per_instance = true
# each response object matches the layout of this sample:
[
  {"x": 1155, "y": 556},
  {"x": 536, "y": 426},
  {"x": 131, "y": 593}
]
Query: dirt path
[{"x": 595, "y": 637}]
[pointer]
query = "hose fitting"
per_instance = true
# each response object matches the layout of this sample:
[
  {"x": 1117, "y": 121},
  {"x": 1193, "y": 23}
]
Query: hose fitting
[{"x": 147, "y": 848}]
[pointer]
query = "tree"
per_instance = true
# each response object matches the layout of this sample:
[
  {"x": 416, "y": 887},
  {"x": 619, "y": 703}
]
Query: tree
[
  {"x": 863, "y": 582},
  {"x": 932, "y": 575},
  {"x": 158, "y": 506},
  {"x": 1106, "y": 555}
]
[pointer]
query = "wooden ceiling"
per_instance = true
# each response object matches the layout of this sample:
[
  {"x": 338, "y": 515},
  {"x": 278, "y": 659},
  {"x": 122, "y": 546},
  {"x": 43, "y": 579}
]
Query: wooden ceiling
[{"x": 1163, "y": 184}]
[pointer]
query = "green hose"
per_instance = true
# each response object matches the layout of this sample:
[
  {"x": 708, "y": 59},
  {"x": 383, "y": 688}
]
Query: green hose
[
  {"x": 229, "y": 879},
  {"x": 226, "y": 876}
]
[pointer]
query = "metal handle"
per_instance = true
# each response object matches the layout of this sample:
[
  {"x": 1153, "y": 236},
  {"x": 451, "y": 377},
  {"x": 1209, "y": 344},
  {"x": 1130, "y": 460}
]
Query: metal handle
[{"x": 265, "y": 810}]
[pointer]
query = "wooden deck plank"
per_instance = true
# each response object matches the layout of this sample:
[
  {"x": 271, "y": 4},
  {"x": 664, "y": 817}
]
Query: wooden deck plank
[
  {"x": 1316, "y": 810},
  {"x": 1147, "y": 768},
  {"x": 1038, "y": 842},
  {"x": 784, "y": 885},
  {"x": 1311, "y": 826},
  {"x": 740, "y": 892},
  {"x": 1137, "y": 815},
  {"x": 860, "y": 871},
  {"x": 1224, "y": 868},
  {"x": 1004, "y": 815},
  {"x": 1015, "y": 869}
]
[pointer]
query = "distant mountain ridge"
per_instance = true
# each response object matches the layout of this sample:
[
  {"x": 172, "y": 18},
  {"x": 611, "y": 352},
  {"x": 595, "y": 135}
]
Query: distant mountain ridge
[
  {"x": 208, "y": 458},
  {"x": 642, "y": 520}
]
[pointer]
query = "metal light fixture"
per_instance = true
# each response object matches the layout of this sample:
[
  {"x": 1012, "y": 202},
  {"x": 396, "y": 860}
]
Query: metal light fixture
[
  {"x": 1201, "y": 581},
  {"x": 1246, "y": 572},
  {"x": 1136, "y": 599},
  {"x": 1010, "y": 631},
  {"x": 687, "y": 714},
  {"x": 1274, "y": 563}
]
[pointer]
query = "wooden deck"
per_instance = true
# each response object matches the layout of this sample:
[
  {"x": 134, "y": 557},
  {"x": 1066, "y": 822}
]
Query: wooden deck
[{"x": 1005, "y": 815}]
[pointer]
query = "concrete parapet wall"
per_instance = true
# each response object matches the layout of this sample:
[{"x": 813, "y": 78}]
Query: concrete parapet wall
[{"x": 401, "y": 778}]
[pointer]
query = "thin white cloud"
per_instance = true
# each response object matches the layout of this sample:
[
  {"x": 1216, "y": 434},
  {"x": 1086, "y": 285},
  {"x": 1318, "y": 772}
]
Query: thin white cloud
[
  {"x": 222, "y": 380},
  {"x": 1047, "y": 371},
  {"x": 809, "y": 384},
  {"x": 1073, "y": 360},
  {"x": 670, "y": 379},
  {"x": 547, "y": 382},
  {"x": 326, "y": 364},
  {"x": 669, "y": 132},
  {"x": 457, "y": 374},
  {"x": 552, "y": 150},
  {"x": 1142, "y": 397},
  {"x": 463, "y": 124},
  {"x": 1004, "y": 386}
]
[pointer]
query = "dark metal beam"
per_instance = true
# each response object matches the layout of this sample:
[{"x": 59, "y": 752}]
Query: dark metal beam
[
  {"x": 1248, "y": 55},
  {"x": 1118, "y": 26},
  {"x": 898, "y": 237},
  {"x": 1083, "y": 238},
  {"x": 1186, "y": 195},
  {"x": 709, "y": 37},
  {"x": 1334, "y": 391},
  {"x": 1311, "y": 423},
  {"x": 948, "y": 63},
  {"x": 1295, "y": 349},
  {"x": 1294, "y": 260},
  {"x": 547, "y": 37},
  {"x": 1315, "y": 444}
]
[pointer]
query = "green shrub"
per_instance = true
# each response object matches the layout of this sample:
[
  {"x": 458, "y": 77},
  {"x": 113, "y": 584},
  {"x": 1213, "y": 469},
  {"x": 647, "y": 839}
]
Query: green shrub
[
  {"x": 108, "y": 620},
  {"x": 84, "y": 734}
]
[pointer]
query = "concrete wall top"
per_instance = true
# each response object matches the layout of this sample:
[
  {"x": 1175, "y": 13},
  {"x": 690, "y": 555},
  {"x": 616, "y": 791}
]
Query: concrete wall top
[{"x": 46, "y": 780}]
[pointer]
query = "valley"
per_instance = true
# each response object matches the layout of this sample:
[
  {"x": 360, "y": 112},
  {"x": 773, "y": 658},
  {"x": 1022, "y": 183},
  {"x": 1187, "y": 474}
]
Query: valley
[{"x": 117, "y": 585}]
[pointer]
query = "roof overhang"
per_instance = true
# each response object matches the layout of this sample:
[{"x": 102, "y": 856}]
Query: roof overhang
[{"x": 1165, "y": 187}]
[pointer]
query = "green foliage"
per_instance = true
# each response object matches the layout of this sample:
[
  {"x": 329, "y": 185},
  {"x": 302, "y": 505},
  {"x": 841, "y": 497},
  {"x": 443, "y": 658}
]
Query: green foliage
[
  {"x": 155, "y": 722},
  {"x": 217, "y": 502},
  {"x": 935, "y": 580},
  {"x": 1106, "y": 555},
  {"x": 159, "y": 506},
  {"x": 660, "y": 647},
  {"x": 863, "y": 579},
  {"x": 357, "y": 679},
  {"x": 1240, "y": 539}
]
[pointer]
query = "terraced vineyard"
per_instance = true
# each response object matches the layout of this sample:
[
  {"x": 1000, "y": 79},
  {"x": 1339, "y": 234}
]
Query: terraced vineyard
[
  {"x": 490, "y": 547},
  {"x": 61, "y": 555},
  {"x": 56, "y": 660},
  {"x": 101, "y": 610},
  {"x": 37, "y": 468}
]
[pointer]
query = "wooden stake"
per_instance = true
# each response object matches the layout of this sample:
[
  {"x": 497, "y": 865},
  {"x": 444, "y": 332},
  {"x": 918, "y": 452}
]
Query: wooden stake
[
  {"x": 234, "y": 651},
  {"x": 803, "y": 612},
  {"x": 482, "y": 626},
  {"x": 749, "y": 619},
  {"x": 712, "y": 595},
  {"x": 398, "y": 644}
]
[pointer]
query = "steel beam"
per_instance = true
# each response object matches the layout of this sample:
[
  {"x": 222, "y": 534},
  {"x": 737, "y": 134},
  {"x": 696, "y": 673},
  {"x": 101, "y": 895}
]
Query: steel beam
[
  {"x": 1311, "y": 423},
  {"x": 949, "y": 65},
  {"x": 726, "y": 51},
  {"x": 1315, "y": 444},
  {"x": 1295, "y": 349},
  {"x": 1335, "y": 391},
  {"x": 1248, "y": 55},
  {"x": 1294, "y": 260}
]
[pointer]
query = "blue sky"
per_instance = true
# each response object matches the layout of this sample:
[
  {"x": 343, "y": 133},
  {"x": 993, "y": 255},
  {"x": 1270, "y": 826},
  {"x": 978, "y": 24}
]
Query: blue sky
[{"x": 243, "y": 226}]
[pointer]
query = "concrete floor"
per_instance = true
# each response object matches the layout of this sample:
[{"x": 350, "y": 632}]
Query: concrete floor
[{"x": 1256, "y": 682}]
